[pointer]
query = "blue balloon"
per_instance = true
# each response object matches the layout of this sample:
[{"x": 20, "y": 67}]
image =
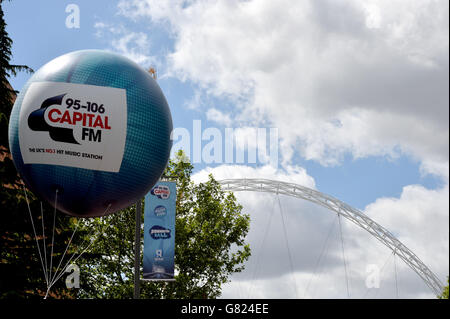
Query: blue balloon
[{"x": 90, "y": 131}]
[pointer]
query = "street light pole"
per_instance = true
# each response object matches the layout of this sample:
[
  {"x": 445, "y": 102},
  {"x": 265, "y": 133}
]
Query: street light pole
[{"x": 137, "y": 251}]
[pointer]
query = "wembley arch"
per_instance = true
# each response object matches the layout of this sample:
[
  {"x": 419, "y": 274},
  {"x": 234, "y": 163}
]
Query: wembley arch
[{"x": 344, "y": 210}]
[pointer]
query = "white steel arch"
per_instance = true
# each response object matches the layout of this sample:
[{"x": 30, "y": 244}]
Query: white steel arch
[{"x": 341, "y": 208}]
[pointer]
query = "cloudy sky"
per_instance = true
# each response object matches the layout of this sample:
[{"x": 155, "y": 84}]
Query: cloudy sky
[{"x": 356, "y": 90}]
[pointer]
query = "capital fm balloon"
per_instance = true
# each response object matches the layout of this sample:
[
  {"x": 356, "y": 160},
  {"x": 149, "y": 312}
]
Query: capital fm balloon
[{"x": 90, "y": 131}]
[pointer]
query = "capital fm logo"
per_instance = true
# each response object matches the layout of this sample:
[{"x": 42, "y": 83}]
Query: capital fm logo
[
  {"x": 161, "y": 191},
  {"x": 87, "y": 118},
  {"x": 36, "y": 122}
]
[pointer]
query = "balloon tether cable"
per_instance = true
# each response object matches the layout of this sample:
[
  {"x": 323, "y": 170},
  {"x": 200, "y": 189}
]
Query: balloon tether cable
[{"x": 49, "y": 279}]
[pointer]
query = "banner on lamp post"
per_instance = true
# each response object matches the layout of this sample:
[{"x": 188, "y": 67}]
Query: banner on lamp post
[{"x": 159, "y": 232}]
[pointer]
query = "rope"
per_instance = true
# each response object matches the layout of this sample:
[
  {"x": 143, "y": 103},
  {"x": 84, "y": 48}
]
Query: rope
[
  {"x": 45, "y": 246},
  {"x": 50, "y": 281},
  {"x": 53, "y": 240},
  {"x": 287, "y": 245},
  {"x": 62, "y": 258},
  {"x": 58, "y": 276},
  {"x": 343, "y": 255}
]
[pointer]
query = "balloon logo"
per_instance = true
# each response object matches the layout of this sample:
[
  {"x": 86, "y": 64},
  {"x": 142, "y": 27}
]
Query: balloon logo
[{"x": 92, "y": 130}]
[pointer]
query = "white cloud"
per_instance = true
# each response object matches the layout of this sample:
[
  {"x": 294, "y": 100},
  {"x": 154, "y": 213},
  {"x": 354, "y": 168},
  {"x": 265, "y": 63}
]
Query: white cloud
[
  {"x": 133, "y": 45},
  {"x": 369, "y": 78},
  {"x": 219, "y": 117}
]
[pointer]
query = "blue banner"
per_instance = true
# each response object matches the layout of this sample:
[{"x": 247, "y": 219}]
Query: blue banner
[{"x": 159, "y": 232}]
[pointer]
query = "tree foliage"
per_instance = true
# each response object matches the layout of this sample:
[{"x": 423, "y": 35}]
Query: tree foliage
[
  {"x": 209, "y": 244},
  {"x": 444, "y": 294}
]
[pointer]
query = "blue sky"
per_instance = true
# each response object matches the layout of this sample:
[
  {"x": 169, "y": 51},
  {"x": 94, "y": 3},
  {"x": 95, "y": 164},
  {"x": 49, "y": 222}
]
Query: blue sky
[
  {"x": 365, "y": 114},
  {"x": 39, "y": 34}
]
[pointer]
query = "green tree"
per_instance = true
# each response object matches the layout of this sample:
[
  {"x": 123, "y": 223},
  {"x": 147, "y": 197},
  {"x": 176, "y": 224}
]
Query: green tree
[
  {"x": 210, "y": 233},
  {"x": 444, "y": 294}
]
